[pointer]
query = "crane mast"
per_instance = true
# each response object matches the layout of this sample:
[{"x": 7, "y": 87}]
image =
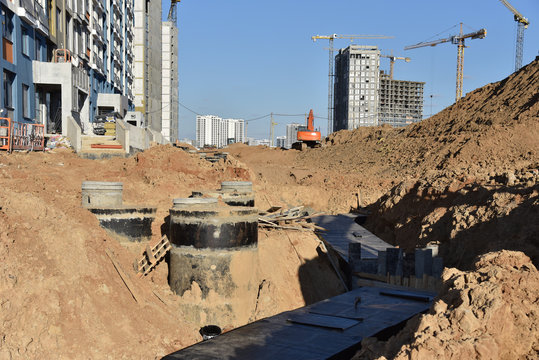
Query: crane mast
[
  {"x": 522, "y": 23},
  {"x": 459, "y": 41},
  {"x": 172, "y": 16},
  {"x": 331, "y": 75}
]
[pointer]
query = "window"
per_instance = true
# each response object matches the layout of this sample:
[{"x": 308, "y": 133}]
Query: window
[
  {"x": 8, "y": 89},
  {"x": 25, "y": 41},
  {"x": 25, "y": 101},
  {"x": 7, "y": 26}
]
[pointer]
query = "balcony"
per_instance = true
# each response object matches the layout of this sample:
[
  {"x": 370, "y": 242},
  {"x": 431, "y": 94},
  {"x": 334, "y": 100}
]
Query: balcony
[
  {"x": 43, "y": 21},
  {"x": 99, "y": 6},
  {"x": 26, "y": 11},
  {"x": 116, "y": 6},
  {"x": 79, "y": 10},
  {"x": 69, "y": 6},
  {"x": 117, "y": 28}
]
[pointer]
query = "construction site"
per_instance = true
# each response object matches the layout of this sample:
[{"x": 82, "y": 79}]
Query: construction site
[{"x": 418, "y": 242}]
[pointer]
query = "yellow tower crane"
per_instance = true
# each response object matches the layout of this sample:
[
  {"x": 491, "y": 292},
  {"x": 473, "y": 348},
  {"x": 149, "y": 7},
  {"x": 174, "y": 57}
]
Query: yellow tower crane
[
  {"x": 331, "y": 77},
  {"x": 459, "y": 41},
  {"x": 522, "y": 23},
  {"x": 392, "y": 62}
]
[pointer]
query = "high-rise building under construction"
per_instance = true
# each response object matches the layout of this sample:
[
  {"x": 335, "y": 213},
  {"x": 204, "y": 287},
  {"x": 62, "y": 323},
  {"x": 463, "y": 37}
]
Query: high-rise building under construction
[
  {"x": 401, "y": 101},
  {"x": 364, "y": 96},
  {"x": 357, "y": 71}
]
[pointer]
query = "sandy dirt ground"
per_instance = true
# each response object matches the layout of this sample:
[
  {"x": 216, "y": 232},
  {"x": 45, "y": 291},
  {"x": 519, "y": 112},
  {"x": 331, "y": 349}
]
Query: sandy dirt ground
[
  {"x": 60, "y": 294},
  {"x": 466, "y": 178}
]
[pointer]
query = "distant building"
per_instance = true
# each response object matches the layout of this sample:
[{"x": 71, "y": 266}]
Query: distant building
[
  {"x": 291, "y": 135},
  {"x": 169, "y": 90},
  {"x": 257, "y": 142},
  {"x": 357, "y": 71},
  {"x": 212, "y": 130},
  {"x": 401, "y": 101},
  {"x": 280, "y": 141}
]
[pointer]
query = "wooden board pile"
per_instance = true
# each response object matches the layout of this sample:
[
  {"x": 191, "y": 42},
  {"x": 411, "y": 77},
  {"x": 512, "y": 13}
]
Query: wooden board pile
[{"x": 289, "y": 219}]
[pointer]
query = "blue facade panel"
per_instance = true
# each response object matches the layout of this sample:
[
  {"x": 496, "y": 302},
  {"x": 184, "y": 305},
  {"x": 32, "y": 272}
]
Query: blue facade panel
[{"x": 17, "y": 93}]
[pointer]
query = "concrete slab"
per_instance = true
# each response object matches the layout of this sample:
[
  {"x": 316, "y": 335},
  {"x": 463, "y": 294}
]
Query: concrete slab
[
  {"x": 343, "y": 230},
  {"x": 278, "y": 338}
]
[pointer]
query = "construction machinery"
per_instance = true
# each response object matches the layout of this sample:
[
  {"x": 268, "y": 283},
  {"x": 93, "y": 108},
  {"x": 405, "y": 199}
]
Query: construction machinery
[
  {"x": 522, "y": 23},
  {"x": 459, "y": 41},
  {"x": 172, "y": 16},
  {"x": 392, "y": 62},
  {"x": 307, "y": 136},
  {"x": 331, "y": 76}
]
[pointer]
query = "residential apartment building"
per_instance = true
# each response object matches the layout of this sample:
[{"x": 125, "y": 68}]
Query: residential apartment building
[
  {"x": 25, "y": 34},
  {"x": 401, "y": 101},
  {"x": 170, "y": 107},
  {"x": 44, "y": 85},
  {"x": 148, "y": 61},
  {"x": 212, "y": 130},
  {"x": 357, "y": 72},
  {"x": 365, "y": 96},
  {"x": 280, "y": 141},
  {"x": 291, "y": 134}
]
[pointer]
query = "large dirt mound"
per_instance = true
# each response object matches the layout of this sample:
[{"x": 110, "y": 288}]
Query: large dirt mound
[
  {"x": 492, "y": 130},
  {"x": 489, "y": 313}
]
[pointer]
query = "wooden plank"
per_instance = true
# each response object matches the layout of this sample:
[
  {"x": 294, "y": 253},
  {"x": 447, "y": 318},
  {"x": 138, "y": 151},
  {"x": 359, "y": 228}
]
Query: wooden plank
[
  {"x": 105, "y": 146},
  {"x": 125, "y": 278}
]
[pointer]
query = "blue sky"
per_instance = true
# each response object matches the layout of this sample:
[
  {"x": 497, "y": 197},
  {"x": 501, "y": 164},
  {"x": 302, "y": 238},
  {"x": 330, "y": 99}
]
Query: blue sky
[{"x": 245, "y": 58}]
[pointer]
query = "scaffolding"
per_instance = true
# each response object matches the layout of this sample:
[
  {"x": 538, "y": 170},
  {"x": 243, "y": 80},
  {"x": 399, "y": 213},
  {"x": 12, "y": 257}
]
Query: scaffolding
[{"x": 401, "y": 101}]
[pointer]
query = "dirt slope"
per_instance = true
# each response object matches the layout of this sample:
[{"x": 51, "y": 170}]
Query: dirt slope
[{"x": 488, "y": 313}]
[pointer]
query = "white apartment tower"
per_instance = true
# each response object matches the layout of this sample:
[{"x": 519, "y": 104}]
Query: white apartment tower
[
  {"x": 169, "y": 113},
  {"x": 357, "y": 81},
  {"x": 291, "y": 134},
  {"x": 212, "y": 130}
]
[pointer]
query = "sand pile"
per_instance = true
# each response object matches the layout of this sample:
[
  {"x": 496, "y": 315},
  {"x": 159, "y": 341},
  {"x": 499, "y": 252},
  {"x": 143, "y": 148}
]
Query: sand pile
[{"x": 489, "y": 313}]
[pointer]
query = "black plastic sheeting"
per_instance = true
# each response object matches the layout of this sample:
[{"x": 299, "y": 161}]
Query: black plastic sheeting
[{"x": 332, "y": 328}]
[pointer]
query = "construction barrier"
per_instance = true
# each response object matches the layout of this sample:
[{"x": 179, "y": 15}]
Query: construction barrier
[
  {"x": 5, "y": 134},
  {"x": 27, "y": 136}
]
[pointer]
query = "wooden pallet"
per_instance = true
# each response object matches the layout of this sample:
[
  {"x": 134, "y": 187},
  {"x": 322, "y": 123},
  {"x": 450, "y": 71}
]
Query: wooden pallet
[{"x": 151, "y": 256}]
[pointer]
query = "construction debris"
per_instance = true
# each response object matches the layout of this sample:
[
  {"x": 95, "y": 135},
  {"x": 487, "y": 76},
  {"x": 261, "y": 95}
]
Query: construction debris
[{"x": 289, "y": 219}]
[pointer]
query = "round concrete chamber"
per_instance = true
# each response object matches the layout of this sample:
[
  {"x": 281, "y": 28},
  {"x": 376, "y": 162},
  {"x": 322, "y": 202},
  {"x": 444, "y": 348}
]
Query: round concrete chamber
[
  {"x": 213, "y": 262},
  {"x": 233, "y": 193},
  {"x": 126, "y": 223},
  {"x": 101, "y": 194}
]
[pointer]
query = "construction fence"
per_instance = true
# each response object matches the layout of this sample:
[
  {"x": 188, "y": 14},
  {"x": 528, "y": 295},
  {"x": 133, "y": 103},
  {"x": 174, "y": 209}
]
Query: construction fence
[{"x": 21, "y": 136}]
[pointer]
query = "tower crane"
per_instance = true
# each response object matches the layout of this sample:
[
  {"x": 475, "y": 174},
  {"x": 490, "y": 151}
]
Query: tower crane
[
  {"x": 331, "y": 38},
  {"x": 392, "y": 62},
  {"x": 522, "y": 23},
  {"x": 459, "y": 41},
  {"x": 172, "y": 11}
]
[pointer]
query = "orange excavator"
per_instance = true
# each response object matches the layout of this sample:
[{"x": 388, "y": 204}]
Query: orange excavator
[{"x": 307, "y": 136}]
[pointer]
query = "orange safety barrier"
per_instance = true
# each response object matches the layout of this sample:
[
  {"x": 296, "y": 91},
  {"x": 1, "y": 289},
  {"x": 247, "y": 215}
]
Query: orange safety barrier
[
  {"x": 5, "y": 134},
  {"x": 27, "y": 136}
]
